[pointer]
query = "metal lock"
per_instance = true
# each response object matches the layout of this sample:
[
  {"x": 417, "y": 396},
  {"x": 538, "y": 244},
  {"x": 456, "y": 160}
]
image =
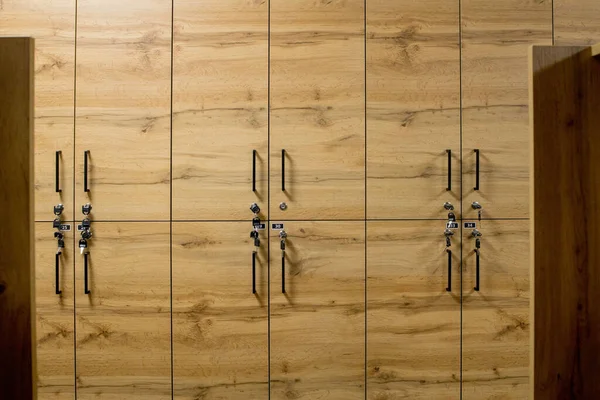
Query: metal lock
[
  {"x": 448, "y": 206},
  {"x": 56, "y": 223},
  {"x": 86, "y": 209},
  {"x": 255, "y": 221},
  {"x": 86, "y": 234},
  {"x": 476, "y": 233},
  {"x": 283, "y": 206},
  {"x": 86, "y": 223},
  {"x": 58, "y": 209},
  {"x": 254, "y": 208}
]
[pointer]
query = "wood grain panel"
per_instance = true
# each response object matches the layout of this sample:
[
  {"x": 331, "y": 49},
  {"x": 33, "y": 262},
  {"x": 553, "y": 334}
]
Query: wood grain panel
[
  {"x": 413, "y": 322},
  {"x": 52, "y": 24},
  {"x": 317, "y": 108},
  {"x": 55, "y": 316},
  {"x": 123, "y": 108},
  {"x": 220, "y": 328},
  {"x": 495, "y": 38},
  {"x": 16, "y": 235},
  {"x": 576, "y": 22},
  {"x": 318, "y": 325},
  {"x": 566, "y": 150},
  {"x": 123, "y": 324},
  {"x": 220, "y": 105},
  {"x": 496, "y": 321},
  {"x": 413, "y": 117}
]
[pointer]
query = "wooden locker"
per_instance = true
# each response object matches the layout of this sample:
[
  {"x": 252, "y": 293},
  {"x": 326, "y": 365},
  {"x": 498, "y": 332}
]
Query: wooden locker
[
  {"x": 496, "y": 37},
  {"x": 318, "y": 324},
  {"x": 220, "y": 312},
  {"x": 576, "y": 22},
  {"x": 317, "y": 106},
  {"x": 413, "y": 311},
  {"x": 496, "y": 322},
  {"x": 52, "y": 24},
  {"x": 123, "y": 341},
  {"x": 413, "y": 108},
  {"x": 220, "y": 109},
  {"x": 123, "y": 108},
  {"x": 55, "y": 330}
]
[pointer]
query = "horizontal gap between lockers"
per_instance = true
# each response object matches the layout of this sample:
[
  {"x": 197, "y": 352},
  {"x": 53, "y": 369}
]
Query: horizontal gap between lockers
[{"x": 293, "y": 220}]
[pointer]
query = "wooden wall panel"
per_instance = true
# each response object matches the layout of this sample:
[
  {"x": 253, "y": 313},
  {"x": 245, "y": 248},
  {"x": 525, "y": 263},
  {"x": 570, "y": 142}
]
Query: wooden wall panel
[
  {"x": 123, "y": 324},
  {"x": 413, "y": 95},
  {"x": 413, "y": 323},
  {"x": 318, "y": 108},
  {"x": 576, "y": 22},
  {"x": 566, "y": 222},
  {"x": 318, "y": 325},
  {"x": 123, "y": 108},
  {"x": 55, "y": 325},
  {"x": 495, "y": 39},
  {"x": 496, "y": 320},
  {"x": 52, "y": 24},
  {"x": 16, "y": 234},
  {"x": 220, "y": 327},
  {"x": 220, "y": 106}
]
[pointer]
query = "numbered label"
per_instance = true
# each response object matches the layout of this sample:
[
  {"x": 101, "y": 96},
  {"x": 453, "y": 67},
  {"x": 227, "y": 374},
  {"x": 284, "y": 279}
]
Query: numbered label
[
  {"x": 64, "y": 227},
  {"x": 79, "y": 227},
  {"x": 452, "y": 225},
  {"x": 276, "y": 227},
  {"x": 261, "y": 227},
  {"x": 470, "y": 225}
]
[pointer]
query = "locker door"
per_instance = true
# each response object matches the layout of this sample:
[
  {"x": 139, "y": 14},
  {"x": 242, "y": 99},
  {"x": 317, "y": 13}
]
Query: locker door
[
  {"x": 123, "y": 323},
  {"x": 123, "y": 108},
  {"x": 52, "y": 24},
  {"x": 55, "y": 331},
  {"x": 496, "y": 36},
  {"x": 318, "y": 324},
  {"x": 220, "y": 106},
  {"x": 317, "y": 103},
  {"x": 413, "y": 320},
  {"x": 496, "y": 319},
  {"x": 220, "y": 312},
  {"x": 413, "y": 101}
]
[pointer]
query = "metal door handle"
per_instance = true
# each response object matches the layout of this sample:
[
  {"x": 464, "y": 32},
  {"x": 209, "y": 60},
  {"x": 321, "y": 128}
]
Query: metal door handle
[
  {"x": 85, "y": 273},
  {"x": 449, "y": 287},
  {"x": 254, "y": 170},
  {"x": 57, "y": 268},
  {"x": 85, "y": 171},
  {"x": 57, "y": 180},
  {"x": 283, "y": 273},
  {"x": 476, "y": 270},
  {"x": 253, "y": 272},
  {"x": 476, "y": 169},
  {"x": 449, "y": 187},
  {"x": 283, "y": 170}
]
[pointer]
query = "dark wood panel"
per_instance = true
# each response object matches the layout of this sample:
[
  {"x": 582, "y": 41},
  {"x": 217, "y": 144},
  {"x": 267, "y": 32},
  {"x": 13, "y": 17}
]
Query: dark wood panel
[
  {"x": 566, "y": 222},
  {"x": 16, "y": 233}
]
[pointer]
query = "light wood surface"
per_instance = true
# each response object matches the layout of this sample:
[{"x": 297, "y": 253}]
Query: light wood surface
[
  {"x": 496, "y": 319},
  {"x": 55, "y": 330},
  {"x": 123, "y": 108},
  {"x": 220, "y": 328},
  {"x": 317, "y": 108},
  {"x": 220, "y": 108},
  {"x": 566, "y": 259},
  {"x": 576, "y": 22},
  {"x": 52, "y": 24},
  {"x": 16, "y": 234},
  {"x": 318, "y": 326},
  {"x": 496, "y": 36},
  {"x": 413, "y": 323},
  {"x": 123, "y": 324},
  {"x": 596, "y": 50},
  {"x": 413, "y": 100}
]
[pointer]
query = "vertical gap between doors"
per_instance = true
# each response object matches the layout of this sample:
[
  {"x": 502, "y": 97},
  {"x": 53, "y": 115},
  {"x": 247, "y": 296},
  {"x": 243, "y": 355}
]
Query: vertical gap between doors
[{"x": 171, "y": 199}]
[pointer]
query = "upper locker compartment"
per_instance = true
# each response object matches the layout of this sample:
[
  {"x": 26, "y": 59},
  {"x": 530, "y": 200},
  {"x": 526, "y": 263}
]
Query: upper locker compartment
[
  {"x": 52, "y": 24},
  {"x": 123, "y": 109},
  {"x": 496, "y": 36},
  {"x": 317, "y": 133},
  {"x": 220, "y": 109},
  {"x": 413, "y": 103}
]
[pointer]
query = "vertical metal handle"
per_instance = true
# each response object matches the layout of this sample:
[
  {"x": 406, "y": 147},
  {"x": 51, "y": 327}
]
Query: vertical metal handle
[
  {"x": 85, "y": 273},
  {"x": 57, "y": 180},
  {"x": 476, "y": 169},
  {"x": 253, "y": 272},
  {"x": 449, "y": 187},
  {"x": 449, "y": 287},
  {"x": 283, "y": 171},
  {"x": 254, "y": 170},
  {"x": 85, "y": 171},
  {"x": 476, "y": 270},
  {"x": 57, "y": 269},
  {"x": 283, "y": 273}
]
